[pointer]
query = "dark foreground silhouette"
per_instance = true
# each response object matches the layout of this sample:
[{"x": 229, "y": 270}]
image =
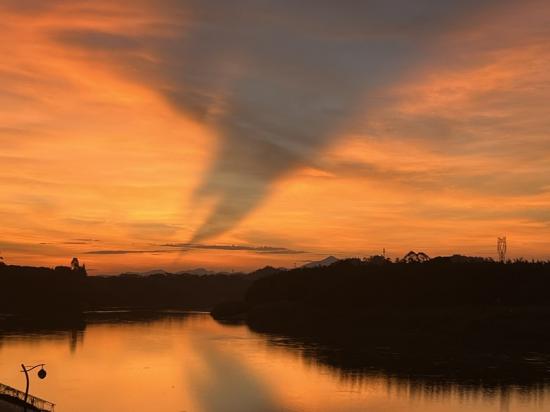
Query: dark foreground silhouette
[
  {"x": 164, "y": 291},
  {"x": 62, "y": 294},
  {"x": 37, "y": 291},
  {"x": 450, "y": 305},
  {"x": 433, "y": 326},
  {"x": 463, "y": 312}
]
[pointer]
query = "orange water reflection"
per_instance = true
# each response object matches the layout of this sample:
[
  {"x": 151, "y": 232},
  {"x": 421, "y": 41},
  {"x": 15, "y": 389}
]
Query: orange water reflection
[{"x": 176, "y": 362}]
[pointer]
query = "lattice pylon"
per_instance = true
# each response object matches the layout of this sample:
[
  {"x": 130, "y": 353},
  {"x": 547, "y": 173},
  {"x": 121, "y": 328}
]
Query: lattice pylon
[{"x": 501, "y": 248}]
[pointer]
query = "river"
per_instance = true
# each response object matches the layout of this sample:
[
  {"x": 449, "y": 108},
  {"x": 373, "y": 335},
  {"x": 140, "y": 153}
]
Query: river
[{"x": 178, "y": 362}]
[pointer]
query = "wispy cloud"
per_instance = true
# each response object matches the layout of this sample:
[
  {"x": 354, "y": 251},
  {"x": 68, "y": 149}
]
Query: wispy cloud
[
  {"x": 183, "y": 247},
  {"x": 256, "y": 249},
  {"x": 129, "y": 252},
  {"x": 80, "y": 242}
]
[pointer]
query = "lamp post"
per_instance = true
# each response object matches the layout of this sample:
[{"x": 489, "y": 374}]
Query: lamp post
[{"x": 41, "y": 374}]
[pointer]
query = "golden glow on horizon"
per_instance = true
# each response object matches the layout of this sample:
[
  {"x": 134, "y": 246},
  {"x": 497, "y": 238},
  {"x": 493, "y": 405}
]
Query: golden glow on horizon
[{"x": 95, "y": 158}]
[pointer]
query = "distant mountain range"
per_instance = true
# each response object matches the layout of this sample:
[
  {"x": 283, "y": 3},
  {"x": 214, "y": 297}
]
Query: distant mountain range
[
  {"x": 320, "y": 263},
  {"x": 265, "y": 271},
  {"x": 197, "y": 271},
  {"x": 256, "y": 274}
]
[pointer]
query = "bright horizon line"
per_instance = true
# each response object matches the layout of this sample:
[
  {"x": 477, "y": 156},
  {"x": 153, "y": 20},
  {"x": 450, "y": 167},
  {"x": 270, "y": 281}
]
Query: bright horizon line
[{"x": 297, "y": 263}]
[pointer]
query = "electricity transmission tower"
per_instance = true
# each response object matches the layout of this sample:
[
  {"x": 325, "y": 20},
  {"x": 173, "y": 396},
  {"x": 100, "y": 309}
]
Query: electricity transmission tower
[{"x": 501, "y": 248}]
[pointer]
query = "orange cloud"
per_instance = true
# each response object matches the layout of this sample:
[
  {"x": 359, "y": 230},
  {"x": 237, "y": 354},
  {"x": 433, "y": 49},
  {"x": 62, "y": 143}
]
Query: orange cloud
[{"x": 444, "y": 158}]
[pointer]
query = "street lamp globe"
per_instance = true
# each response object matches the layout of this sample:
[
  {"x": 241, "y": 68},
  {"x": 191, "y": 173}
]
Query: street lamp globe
[{"x": 42, "y": 373}]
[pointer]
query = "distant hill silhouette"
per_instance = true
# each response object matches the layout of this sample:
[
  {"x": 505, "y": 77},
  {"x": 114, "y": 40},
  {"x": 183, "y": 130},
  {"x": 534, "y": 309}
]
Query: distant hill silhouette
[
  {"x": 164, "y": 291},
  {"x": 66, "y": 292},
  {"x": 265, "y": 271},
  {"x": 454, "y": 301},
  {"x": 41, "y": 291},
  {"x": 197, "y": 271},
  {"x": 443, "y": 296},
  {"x": 324, "y": 262},
  {"x": 147, "y": 273}
]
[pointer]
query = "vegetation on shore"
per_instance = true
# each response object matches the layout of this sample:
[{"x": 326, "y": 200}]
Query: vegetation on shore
[
  {"x": 452, "y": 302},
  {"x": 455, "y": 303},
  {"x": 464, "y": 319},
  {"x": 65, "y": 292}
]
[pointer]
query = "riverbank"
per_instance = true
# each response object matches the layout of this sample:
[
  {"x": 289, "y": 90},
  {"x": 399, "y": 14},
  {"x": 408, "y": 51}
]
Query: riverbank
[{"x": 447, "y": 307}]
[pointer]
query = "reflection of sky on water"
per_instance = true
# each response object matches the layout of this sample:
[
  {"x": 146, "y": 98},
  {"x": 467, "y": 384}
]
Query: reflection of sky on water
[
  {"x": 228, "y": 384},
  {"x": 192, "y": 363}
]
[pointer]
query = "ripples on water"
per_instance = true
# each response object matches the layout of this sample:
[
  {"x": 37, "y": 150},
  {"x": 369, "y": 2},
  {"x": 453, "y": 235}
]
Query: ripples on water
[{"x": 128, "y": 361}]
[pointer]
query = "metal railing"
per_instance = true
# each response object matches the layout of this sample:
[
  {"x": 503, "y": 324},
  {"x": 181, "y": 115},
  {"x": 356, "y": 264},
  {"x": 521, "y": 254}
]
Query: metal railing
[{"x": 33, "y": 401}]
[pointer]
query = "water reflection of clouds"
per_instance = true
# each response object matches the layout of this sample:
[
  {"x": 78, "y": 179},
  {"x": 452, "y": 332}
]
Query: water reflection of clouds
[
  {"x": 224, "y": 382},
  {"x": 199, "y": 365}
]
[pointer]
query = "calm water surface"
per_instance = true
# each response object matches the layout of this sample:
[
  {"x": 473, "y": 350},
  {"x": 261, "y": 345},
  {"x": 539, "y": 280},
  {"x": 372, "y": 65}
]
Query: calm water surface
[{"x": 189, "y": 362}]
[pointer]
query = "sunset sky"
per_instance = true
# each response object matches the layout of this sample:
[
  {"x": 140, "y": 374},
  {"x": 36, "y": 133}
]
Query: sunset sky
[{"x": 175, "y": 134}]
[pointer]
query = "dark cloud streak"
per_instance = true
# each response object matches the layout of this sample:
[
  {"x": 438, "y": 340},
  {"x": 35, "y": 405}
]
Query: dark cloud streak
[
  {"x": 183, "y": 247},
  {"x": 276, "y": 79},
  {"x": 257, "y": 249},
  {"x": 129, "y": 252}
]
